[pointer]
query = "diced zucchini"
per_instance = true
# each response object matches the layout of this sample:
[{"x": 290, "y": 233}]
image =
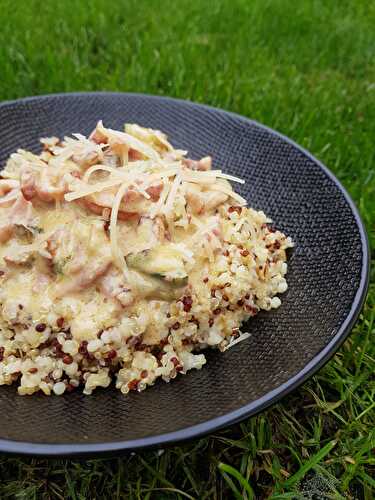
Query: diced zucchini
[
  {"x": 156, "y": 288},
  {"x": 163, "y": 261}
]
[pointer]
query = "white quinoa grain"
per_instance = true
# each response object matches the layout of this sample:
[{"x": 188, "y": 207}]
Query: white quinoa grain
[
  {"x": 94, "y": 345},
  {"x": 282, "y": 287},
  {"x": 275, "y": 302},
  {"x": 59, "y": 388},
  {"x": 71, "y": 369},
  {"x": 70, "y": 347},
  {"x": 56, "y": 374},
  {"x": 106, "y": 337}
]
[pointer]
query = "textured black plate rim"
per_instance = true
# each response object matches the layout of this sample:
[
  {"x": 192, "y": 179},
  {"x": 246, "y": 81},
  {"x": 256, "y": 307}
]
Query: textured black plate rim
[{"x": 251, "y": 409}]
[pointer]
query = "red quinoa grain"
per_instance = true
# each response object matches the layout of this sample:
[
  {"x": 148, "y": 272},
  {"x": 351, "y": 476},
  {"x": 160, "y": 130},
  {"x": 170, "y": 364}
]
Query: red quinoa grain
[
  {"x": 175, "y": 361},
  {"x": 142, "y": 347},
  {"x": 111, "y": 354},
  {"x": 83, "y": 347},
  {"x": 164, "y": 342},
  {"x": 133, "y": 384},
  {"x": 187, "y": 303},
  {"x": 60, "y": 322}
]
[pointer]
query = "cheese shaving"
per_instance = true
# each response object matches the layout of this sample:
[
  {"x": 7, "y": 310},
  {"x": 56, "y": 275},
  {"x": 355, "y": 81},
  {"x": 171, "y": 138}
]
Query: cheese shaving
[
  {"x": 95, "y": 188},
  {"x": 232, "y": 178},
  {"x": 172, "y": 195},
  {"x": 199, "y": 177},
  {"x": 131, "y": 141},
  {"x": 113, "y": 232},
  {"x": 233, "y": 342},
  {"x": 229, "y": 192},
  {"x": 103, "y": 168},
  {"x": 159, "y": 178}
]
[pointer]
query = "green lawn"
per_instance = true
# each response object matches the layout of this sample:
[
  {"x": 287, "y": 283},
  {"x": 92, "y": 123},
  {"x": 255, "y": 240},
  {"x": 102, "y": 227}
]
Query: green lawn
[{"x": 304, "y": 67}]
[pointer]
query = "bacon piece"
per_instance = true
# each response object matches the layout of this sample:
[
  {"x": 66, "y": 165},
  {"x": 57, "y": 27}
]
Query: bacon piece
[
  {"x": 203, "y": 165},
  {"x": 21, "y": 213}
]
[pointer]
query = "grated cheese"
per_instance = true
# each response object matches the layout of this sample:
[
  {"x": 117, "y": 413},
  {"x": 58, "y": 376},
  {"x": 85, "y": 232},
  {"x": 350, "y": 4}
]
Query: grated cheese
[
  {"x": 172, "y": 194},
  {"x": 233, "y": 342},
  {"x": 232, "y": 178},
  {"x": 95, "y": 188},
  {"x": 97, "y": 168},
  {"x": 131, "y": 141},
  {"x": 208, "y": 177},
  {"x": 199, "y": 177},
  {"x": 229, "y": 192},
  {"x": 113, "y": 233},
  {"x": 139, "y": 175}
]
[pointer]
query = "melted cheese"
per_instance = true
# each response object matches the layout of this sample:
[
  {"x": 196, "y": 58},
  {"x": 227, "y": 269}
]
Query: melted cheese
[{"x": 59, "y": 270}]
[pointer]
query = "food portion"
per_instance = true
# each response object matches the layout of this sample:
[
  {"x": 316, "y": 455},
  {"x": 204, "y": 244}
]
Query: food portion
[{"x": 121, "y": 258}]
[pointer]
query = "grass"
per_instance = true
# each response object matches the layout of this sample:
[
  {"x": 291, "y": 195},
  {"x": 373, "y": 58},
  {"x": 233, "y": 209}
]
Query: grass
[{"x": 306, "y": 68}]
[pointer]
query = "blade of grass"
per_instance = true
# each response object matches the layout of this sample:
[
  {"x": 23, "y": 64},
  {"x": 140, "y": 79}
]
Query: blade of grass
[
  {"x": 173, "y": 490},
  {"x": 368, "y": 479},
  {"x": 315, "y": 459},
  {"x": 232, "y": 486},
  {"x": 155, "y": 473},
  {"x": 285, "y": 496},
  {"x": 234, "y": 472}
]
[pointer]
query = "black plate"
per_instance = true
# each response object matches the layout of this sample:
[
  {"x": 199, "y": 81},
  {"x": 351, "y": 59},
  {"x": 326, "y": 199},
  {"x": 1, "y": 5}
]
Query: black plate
[{"x": 328, "y": 277}]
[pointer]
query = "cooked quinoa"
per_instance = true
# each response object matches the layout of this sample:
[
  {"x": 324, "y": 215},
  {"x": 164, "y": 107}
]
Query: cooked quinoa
[{"x": 120, "y": 258}]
